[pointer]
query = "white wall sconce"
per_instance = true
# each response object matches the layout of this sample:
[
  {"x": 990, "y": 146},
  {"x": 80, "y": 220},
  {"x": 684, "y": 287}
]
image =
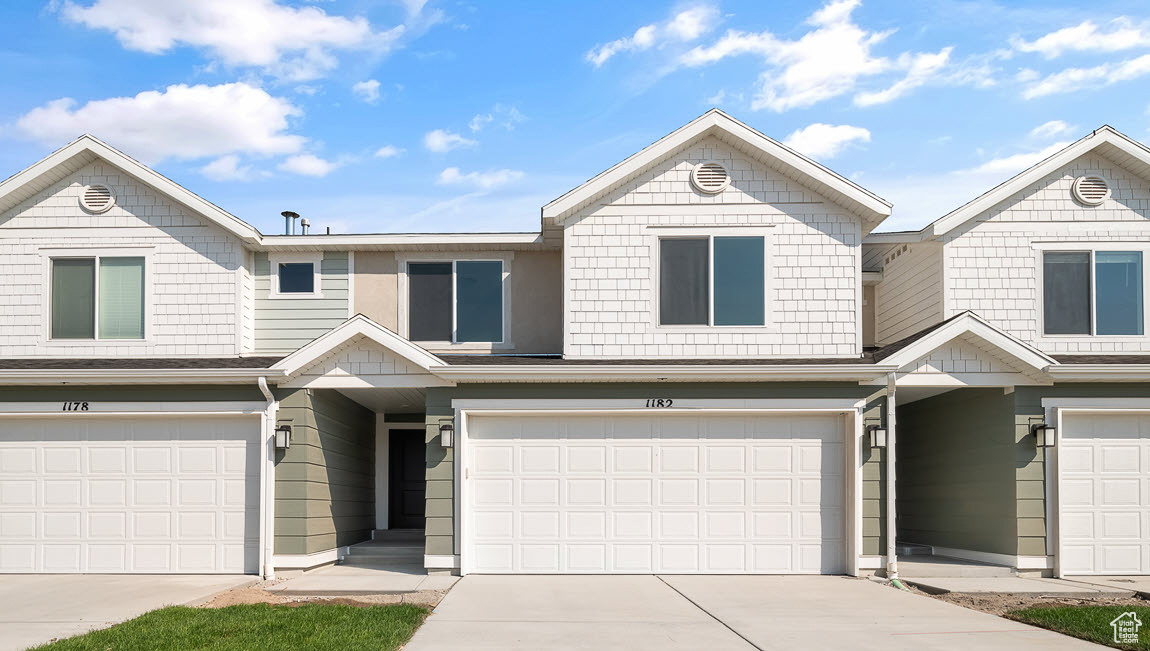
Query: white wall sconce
[
  {"x": 283, "y": 437},
  {"x": 1044, "y": 435},
  {"x": 446, "y": 433},
  {"x": 877, "y": 434}
]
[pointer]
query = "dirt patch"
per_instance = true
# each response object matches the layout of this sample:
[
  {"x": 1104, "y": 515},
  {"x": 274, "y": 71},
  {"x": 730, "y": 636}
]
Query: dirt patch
[
  {"x": 258, "y": 595},
  {"x": 1000, "y": 604}
]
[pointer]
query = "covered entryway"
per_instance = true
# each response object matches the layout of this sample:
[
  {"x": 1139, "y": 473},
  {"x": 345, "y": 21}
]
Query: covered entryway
[
  {"x": 105, "y": 493},
  {"x": 1104, "y": 492},
  {"x": 637, "y": 493}
]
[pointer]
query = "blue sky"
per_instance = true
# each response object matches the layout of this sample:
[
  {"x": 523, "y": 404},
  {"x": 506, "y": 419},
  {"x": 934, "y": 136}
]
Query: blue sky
[{"x": 405, "y": 116}]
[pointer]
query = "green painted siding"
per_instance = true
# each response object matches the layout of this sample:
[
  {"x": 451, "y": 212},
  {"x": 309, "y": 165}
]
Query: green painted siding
[
  {"x": 441, "y": 462},
  {"x": 284, "y": 324},
  {"x": 874, "y": 482},
  {"x": 155, "y": 393},
  {"x": 325, "y": 482},
  {"x": 957, "y": 471}
]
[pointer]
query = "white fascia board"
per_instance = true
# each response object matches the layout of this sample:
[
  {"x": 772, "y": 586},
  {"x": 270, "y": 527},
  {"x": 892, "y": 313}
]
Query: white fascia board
[
  {"x": 1104, "y": 135},
  {"x": 162, "y": 184},
  {"x": 10, "y": 377},
  {"x": 901, "y": 237},
  {"x": 399, "y": 240},
  {"x": 716, "y": 119},
  {"x": 1100, "y": 372},
  {"x": 972, "y": 324},
  {"x": 341, "y": 334},
  {"x": 655, "y": 373}
]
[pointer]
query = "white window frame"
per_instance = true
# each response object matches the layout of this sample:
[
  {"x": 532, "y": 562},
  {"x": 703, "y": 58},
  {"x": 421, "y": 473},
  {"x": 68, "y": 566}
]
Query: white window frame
[
  {"x": 49, "y": 255},
  {"x": 404, "y": 300},
  {"x": 660, "y": 233},
  {"x": 316, "y": 261},
  {"x": 1092, "y": 248}
]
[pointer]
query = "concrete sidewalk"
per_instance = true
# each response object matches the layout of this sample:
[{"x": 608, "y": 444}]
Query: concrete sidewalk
[
  {"x": 342, "y": 580},
  {"x": 712, "y": 612},
  {"x": 36, "y": 608}
]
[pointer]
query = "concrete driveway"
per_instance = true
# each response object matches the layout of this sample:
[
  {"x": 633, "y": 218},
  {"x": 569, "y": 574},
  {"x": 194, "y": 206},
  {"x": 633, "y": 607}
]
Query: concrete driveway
[
  {"x": 37, "y": 608},
  {"x": 711, "y": 612}
]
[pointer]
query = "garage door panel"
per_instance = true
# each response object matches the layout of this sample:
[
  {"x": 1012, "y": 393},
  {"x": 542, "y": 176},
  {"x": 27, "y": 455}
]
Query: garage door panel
[
  {"x": 664, "y": 493},
  {"x": 1104, "y": 497},
  {"x": 143, "y": 494}
]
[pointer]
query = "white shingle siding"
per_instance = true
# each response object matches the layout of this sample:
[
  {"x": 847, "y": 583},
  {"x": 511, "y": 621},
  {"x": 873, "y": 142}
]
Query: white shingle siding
[
  {"x": 991, "y": 263},
  {"x": 909, "y": 298},
  {"x": 192, "y": 268},
  {"x": 813, "y": 260}
]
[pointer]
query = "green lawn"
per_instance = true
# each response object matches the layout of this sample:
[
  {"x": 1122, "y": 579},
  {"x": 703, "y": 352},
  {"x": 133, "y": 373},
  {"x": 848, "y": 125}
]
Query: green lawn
[
  {"x": 259, "y": 626},
  {"x": 1087, "y": 622}
]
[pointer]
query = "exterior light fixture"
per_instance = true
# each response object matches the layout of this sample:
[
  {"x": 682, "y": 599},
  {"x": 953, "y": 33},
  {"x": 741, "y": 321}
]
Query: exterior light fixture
[
  {"x": 446, "y": 433},
  {"x": 283, "y": 437},
  {"x": 1044, "y": 435},
  {"x": 877, "y": 435}
]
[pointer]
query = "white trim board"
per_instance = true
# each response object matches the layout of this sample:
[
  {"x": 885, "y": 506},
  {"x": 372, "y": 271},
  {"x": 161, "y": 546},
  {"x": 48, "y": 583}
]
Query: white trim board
[{"x": 308, "y": 561}]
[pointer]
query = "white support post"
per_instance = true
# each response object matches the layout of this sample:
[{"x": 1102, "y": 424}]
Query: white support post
[
  {"x": 268, "y": 481},
  {"x": 891, "y": 494}
]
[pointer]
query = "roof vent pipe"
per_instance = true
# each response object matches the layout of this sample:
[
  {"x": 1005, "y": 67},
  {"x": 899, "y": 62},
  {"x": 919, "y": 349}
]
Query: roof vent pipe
[
  {"x": 303, "y": 224},
  {"x": 289, "y": 221}
]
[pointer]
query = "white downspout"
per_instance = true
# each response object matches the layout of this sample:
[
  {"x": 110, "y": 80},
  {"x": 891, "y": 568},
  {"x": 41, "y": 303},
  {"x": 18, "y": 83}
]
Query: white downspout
[
  {"x": 891, "y": 527},
  {"x": 268, "y": 483}
]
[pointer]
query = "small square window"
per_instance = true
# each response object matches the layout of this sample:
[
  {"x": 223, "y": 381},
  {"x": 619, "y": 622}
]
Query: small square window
[{"x": 297, "y": 278}]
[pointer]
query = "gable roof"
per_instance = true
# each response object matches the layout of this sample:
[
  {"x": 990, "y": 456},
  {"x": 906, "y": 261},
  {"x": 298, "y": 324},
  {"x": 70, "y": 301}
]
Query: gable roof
[
  {"x": 86, "y": 149},
  {"x": 357, "y": 326},
  {"x": 1107, "y": 140},
  {"x": 818, "y": 178},
  {"x": 920, "y": 344}
]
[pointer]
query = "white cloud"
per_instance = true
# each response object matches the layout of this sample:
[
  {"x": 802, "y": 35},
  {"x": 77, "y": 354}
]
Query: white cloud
[
  {"x": 308, "y": 165},
  {"x": 479, "y": 121},
  {"x": 507, "y": 116},
  {"x": 388, "y": 151},
  {"x": 181, "y": 121},
  {"x": 440, "y": 141},
  {"x": 685, "y": 26},
  {"x": 294, "y": 43},
  {"x": 228, "y": 168},
  {"x": 920, "y": 69},
  {"x": 368, "y": 90},
  {"x": 1122, "y": 34},
  {"x": 1010, "y": 165},
  {"x": 822, "y": 141},
  {"x": 1075, "y": 79},
  {"x": 1051, "y": 129},
  {"x": 481, "y": 180}
]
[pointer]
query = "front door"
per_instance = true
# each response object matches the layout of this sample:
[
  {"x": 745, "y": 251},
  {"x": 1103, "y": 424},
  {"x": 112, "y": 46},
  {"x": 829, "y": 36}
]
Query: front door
[{"x": 406, "y": 477}]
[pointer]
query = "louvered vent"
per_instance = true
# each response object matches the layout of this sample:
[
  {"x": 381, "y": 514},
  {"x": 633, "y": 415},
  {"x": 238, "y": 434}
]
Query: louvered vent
[
  {"x": 1091, "y": 190},
  {"x": 97, "y": 198},
  {"x": 711, "y": 178}
]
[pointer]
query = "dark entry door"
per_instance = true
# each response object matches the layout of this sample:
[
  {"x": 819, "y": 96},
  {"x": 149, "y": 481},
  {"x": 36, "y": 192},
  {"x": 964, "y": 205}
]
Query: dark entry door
[{"x": 406, "y": 479}]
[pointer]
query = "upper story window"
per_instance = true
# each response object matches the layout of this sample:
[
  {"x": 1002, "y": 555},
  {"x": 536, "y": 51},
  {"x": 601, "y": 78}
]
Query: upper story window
[
  {"x": 712, "y": 281},
  {"x": 1092, "y": 293},
  {"x": 457, "y": 301},
  {"x": 97, "y": 298},
  {"x": 295, "y": 275}
]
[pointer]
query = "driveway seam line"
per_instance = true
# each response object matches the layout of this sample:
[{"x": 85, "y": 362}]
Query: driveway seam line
[{"x": 709, "y": 613}]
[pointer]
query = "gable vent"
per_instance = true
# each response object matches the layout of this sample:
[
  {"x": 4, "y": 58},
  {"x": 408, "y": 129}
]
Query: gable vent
[
  {"x": 1091, "y": 190},
  {"x": 97, "y": 198},
  {"x": 710, "y": 177}
]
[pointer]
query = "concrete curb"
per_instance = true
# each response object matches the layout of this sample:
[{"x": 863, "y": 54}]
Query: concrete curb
[{"x": 1084, "y": 594}]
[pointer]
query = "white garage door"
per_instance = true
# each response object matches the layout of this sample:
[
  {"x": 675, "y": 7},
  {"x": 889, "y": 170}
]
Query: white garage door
[
  {"x": 1104, "y": 494},
  {"x": 671, "y": 493},
  {"x": 138, "y": 494}
]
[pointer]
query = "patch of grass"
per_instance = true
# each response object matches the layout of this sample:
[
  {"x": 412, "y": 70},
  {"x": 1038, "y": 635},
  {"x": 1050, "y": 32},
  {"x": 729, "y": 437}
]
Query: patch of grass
[
  {"x": 257, "y": 626},
  {"x": 1090, "y": 623}
]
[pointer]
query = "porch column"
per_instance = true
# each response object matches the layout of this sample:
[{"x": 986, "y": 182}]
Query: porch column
[{"x": 891, "y": 528}]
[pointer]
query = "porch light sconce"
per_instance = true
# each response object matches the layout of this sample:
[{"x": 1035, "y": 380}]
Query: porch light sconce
[
  {"x": 283, "y": 437},
  {"x": 877, "y": 436},
  {"x": 446, "y": 433},
  {"x": 1043, "y": 434}
]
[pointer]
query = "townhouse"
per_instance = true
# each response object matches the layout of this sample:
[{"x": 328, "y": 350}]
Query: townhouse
[{"x": 705, "y": 361}]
